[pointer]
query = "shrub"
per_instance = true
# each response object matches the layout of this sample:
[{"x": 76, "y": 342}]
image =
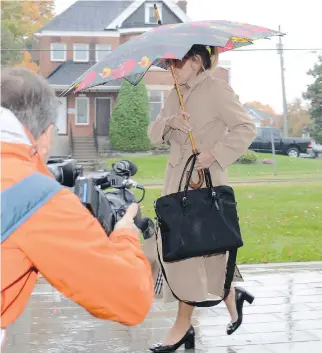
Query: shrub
[
  {"x": 248, "y": 158},
  {"x": 130, "y": 119}
]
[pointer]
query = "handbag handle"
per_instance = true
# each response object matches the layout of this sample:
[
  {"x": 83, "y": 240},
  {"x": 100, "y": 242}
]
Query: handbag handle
[
  {"x": 192, "y": 158},
  {"x": 206, "y": 171},
  {"x": 230, "y": 271}
]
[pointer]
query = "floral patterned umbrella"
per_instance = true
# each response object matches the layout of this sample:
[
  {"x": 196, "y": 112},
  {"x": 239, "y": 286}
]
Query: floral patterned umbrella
[{"x": 132, "y": 59}]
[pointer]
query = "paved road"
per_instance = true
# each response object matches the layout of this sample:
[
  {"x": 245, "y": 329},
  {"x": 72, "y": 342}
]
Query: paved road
[{"x": 286, "y": 317}]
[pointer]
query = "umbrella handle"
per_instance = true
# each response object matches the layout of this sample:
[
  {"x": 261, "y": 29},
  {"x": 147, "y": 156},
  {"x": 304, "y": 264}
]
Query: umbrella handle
[{"x": 201, "y": 175}]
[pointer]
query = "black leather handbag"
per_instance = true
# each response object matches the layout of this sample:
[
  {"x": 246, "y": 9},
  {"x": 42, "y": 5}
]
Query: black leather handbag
[{"x": 200, "y": 222}]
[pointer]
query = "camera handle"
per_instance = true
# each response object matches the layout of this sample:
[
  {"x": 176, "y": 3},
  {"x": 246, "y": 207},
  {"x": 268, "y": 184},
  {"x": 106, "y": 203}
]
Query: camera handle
[{"x": 146, "y": 226}]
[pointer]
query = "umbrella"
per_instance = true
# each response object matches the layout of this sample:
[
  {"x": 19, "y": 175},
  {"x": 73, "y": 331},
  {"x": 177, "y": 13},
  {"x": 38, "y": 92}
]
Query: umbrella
[
  {"x": 132, "y": 59},
  {"x": 163, "y": 44}
]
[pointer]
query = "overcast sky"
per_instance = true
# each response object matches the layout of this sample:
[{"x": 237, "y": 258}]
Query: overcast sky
[{"x": 256, "y": 75}]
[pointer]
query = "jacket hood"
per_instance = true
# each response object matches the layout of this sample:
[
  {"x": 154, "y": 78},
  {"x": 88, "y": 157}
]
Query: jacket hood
[
  {"x": 11, "y": 130},
  {"x": 17, "y": 142}
]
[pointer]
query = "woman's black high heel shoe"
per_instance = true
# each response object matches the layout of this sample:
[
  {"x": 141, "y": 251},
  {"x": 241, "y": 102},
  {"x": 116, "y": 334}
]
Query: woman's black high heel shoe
[
  {"x": 241, "y": 296},
  {"x": 188, "y": 340}
]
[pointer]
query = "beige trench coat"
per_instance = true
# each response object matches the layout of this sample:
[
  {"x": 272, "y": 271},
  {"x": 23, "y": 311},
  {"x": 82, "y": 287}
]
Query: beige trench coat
[{"x": 222, "y": 126}]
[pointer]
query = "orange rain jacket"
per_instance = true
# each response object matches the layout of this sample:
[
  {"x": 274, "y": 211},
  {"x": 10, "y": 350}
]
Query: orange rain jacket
[{"x": 109, "y": 277}]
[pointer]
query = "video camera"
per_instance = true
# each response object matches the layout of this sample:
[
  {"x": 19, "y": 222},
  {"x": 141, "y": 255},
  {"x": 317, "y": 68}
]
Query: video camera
[{"x": 96, "y": 191}]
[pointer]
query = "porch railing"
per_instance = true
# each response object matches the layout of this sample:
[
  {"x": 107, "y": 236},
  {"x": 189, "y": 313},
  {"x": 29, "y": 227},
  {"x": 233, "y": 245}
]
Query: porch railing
[
  {"x": 95, "y": 138},
  {"x": 71, "y": 141}
]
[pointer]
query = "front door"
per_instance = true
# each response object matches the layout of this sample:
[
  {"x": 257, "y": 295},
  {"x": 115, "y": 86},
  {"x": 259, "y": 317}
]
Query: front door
[
  {"x": 103, "y": 116},
  {"x": 62, "y": 116}
]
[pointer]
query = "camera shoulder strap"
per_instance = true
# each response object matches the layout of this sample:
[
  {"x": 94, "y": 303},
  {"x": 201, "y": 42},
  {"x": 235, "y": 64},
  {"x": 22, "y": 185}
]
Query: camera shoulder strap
[{"x": 20, "y": 201}]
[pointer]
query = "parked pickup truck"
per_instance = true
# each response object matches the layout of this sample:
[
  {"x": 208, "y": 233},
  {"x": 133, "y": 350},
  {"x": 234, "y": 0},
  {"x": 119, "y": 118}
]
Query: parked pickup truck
[{"x": 291, "y": 146}]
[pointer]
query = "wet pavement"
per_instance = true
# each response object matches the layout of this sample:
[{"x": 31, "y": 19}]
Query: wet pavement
[{"x": 286, "y": 317}]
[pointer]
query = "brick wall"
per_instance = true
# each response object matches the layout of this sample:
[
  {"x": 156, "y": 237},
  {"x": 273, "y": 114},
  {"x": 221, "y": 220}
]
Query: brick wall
[
  {"x": 86, "y": 130},
  {"x": 47, "y": 66}
]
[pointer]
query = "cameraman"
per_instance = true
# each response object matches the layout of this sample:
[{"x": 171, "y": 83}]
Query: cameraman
[{"x": 109, "y": 277}]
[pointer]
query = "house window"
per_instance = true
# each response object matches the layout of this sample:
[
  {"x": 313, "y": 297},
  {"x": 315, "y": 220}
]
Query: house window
[
  {"x": 101, "y": 50},
  {"x": 58, "y": 51},
  {"x": 150, "y": 16},
  {"x": 81, "y": 52},
  {"x": 156, "y": 103},
  {"x": 82, "y": 111}
]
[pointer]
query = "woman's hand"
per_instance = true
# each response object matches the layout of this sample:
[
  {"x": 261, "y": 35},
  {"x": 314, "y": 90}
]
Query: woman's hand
[
  {"x": 178, "y": 122},
  {"x": 204, "y": 160}
]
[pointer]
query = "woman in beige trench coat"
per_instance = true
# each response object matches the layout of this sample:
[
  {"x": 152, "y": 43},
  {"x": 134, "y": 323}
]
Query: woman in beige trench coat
[{"x": 223, "y": 132}]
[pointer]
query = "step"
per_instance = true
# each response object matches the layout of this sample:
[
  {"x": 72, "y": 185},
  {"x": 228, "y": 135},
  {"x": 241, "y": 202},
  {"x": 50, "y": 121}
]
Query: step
[
  {"x": 85, "y": 148},
  {"x": 83, "y": 138},
  {"x": 82, "y": 156},
  {"x": 84, "y": 145},
  {"x": 85, "y": 155}
]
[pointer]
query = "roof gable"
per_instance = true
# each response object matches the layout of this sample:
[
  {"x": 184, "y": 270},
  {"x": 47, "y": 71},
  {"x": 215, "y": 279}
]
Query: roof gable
[
  {"x": 101, "y": 15},
  {"x": 87, "y": 15},
  {"x": 135, "y": 6},
  {"x": 137, "y": 18}
]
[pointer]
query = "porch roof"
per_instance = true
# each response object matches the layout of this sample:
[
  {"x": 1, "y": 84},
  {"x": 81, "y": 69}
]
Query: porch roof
[{"x": 69, "y": 71}]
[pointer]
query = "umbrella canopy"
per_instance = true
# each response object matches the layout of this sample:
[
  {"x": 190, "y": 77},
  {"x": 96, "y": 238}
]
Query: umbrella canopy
[{"x": 132, "y": 59}]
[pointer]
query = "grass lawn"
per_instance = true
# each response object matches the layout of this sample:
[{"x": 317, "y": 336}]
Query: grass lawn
[
  {"x": 151, "y": 169},
  {"x": 279, "y": 222}
]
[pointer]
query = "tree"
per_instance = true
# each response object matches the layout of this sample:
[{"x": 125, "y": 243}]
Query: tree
[
  {"x": 298, "y": 117},
  {"x": 24, "y": 18},
  {"x": 19, "y": 21},
  {"x": 314, "y": 96},
  {"x": 28, "y": 63},
  {"x": 36, "y": 14},
  {"x": 130, "y": 119},
  {"x": 264, "y": 107},
  {"x": 9, "y": 57}
]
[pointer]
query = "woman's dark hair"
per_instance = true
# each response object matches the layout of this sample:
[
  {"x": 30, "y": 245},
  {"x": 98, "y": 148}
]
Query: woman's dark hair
[{"x": 203, "y": 52}]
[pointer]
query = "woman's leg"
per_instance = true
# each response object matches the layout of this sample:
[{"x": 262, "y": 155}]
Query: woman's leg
[
  {"x": 230, "y": 302},
  {"x": 181, "y": 325}
]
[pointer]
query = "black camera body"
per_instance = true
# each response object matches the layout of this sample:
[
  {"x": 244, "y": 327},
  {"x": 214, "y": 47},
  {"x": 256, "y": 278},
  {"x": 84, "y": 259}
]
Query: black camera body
[
  {"x": 105, "y": 194},
  {"x": 65, "y": 170}
]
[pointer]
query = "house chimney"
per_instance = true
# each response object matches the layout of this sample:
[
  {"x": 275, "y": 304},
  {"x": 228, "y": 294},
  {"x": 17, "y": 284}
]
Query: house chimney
[{"x": 183, "y": 5}]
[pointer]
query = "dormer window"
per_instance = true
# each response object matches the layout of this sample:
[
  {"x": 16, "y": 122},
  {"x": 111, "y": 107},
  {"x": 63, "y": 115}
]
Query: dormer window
[
  {"x": 150, "y": 16},
  {"x": 81, "y": 52}
]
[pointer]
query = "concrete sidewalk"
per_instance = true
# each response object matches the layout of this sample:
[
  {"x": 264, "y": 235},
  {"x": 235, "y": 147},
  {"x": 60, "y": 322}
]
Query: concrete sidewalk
[{"x": 286, "y": 317}]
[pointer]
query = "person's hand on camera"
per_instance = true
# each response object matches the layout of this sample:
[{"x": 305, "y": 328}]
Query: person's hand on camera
[
  {"x": 127, "y": 221},
  {"x": 178, "y": 122}
]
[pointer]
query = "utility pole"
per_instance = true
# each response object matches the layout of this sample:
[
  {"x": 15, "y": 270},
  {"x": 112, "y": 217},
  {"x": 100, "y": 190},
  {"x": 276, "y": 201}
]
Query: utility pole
[{"x": 281, "y": 53}]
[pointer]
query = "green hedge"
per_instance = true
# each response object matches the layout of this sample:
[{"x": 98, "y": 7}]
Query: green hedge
[{"x": 130, "y": 119}]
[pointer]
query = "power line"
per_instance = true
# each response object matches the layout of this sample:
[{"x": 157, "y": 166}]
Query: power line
[
  {"x": 284, "y": 49},
  {"x": 234, "y": 50}
]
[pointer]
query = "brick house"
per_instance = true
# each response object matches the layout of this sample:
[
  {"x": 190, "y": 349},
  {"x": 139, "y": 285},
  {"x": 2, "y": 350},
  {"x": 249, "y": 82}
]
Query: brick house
[{"x": 82, "y": 35}]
